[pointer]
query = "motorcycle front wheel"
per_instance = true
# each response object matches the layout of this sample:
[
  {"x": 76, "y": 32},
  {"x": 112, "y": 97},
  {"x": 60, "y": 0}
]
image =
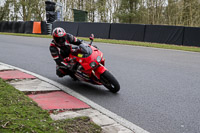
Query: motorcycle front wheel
[{"x": 109, "y": 81}]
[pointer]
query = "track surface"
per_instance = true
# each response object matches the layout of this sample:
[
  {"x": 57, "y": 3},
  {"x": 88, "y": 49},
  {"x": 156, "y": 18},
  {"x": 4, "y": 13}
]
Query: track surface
[{"x": 160, "y": 89}]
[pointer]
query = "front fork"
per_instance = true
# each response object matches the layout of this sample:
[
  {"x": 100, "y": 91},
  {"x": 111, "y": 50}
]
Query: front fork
[{"x": 98, "y": 71}]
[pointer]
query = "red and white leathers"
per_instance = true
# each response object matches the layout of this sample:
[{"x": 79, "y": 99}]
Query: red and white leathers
[{"x": 60, "y": 53}]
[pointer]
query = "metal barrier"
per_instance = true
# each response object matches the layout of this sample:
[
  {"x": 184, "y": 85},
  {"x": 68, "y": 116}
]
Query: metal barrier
[{"x": 178, "y": 35}]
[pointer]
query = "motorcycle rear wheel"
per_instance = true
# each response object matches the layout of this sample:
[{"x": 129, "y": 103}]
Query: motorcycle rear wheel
[{"x": 109, "y": 81}]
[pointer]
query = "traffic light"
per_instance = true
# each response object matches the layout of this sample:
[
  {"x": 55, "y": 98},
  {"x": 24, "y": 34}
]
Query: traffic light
[{"x": 50, "y": 11}]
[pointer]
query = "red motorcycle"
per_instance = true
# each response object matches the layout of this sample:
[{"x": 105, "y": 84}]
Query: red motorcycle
[{"x": 87, "y": 64}]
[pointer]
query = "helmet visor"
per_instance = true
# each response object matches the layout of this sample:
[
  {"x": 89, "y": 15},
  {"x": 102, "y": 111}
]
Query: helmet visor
[{"x": 59, "y": 40}]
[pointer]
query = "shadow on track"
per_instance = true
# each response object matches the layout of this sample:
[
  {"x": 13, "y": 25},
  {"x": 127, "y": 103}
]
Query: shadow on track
[{"x": 83, "y": 87}]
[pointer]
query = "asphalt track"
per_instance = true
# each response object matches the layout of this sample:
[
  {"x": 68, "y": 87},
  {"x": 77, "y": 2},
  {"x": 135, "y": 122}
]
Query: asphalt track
[{"x": 159, "y": 88}]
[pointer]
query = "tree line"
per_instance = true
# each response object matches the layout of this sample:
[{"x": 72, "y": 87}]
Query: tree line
[{"x": 156, "y": 12}]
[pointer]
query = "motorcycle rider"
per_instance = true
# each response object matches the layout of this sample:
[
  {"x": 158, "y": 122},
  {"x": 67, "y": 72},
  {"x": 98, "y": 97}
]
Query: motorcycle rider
[{"x": 60, "y": 50}]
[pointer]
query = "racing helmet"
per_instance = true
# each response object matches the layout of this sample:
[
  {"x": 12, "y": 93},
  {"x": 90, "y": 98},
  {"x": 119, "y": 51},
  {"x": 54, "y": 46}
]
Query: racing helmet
[{"x": 59, "y": 36}]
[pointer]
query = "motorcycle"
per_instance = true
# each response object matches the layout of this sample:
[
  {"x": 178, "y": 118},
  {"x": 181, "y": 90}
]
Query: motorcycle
[{"x": 87, "y": 64}]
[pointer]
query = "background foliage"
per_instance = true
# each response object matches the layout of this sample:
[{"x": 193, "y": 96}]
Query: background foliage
[{"x": 162, "y": 12}]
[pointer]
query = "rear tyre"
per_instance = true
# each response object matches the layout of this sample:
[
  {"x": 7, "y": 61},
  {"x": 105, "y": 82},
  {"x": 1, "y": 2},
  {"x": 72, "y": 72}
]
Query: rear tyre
[{"x": 109, "y": 81}]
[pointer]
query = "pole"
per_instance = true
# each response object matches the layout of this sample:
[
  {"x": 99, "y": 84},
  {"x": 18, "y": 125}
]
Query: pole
[{"x": 59, "y": 4}]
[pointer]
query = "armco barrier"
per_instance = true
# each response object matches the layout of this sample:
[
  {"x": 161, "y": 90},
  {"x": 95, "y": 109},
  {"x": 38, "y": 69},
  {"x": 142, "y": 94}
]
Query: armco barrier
[
  {"x": 70, "y": 27},
  {"x": 44, "y": 27},
  {"x": 9, "y": 28},
  {"x": 127, "y": 32},
  {"x": 4, "y": 26},
  {"x": 10, "y": 25},
  {"x": 164, "y": 34},
  {"x": 0, "y": 26},
  {"x": 22, "y": 27},
  {"x": 28, "y": 27},
  {"x": 100, "y": 30},
  {"x": 188, "y": 36},
  {"x": 15, "y": 27},
  {"x": 191, "y": 36}
]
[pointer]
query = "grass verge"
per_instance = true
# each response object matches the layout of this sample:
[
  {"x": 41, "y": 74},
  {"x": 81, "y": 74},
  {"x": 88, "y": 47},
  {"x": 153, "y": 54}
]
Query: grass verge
[
  {"x": 134, "y": 43},
  {"x": 18, "y": 113}
]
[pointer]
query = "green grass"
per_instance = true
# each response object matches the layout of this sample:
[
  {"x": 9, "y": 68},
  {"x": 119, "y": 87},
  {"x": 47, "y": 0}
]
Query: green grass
[
  {"x": 18, "y": 113},
  {"x": 134, "y": 43}
]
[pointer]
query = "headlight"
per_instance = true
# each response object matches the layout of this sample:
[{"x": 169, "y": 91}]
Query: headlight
[
  {"x": 98, "y": 59},
  {"x": 93, "y": 64}
]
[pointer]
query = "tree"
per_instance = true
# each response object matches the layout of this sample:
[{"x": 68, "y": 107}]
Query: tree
[
  {"x": 38, "y": 10},
  {"x": 191, "y": 12},
  {"x": 32, "y": 9},
  {"x": 168, "y": 12},
  {"x": 4, "y": 11},
  {"x": 90, "y": 7},
  {"x": 102, "y": 10},
  {"x": 127, "y": 12}
]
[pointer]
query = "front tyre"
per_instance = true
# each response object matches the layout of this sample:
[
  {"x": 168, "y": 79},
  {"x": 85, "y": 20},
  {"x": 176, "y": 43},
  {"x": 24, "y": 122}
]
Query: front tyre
[{"x": 109, "y": 81}]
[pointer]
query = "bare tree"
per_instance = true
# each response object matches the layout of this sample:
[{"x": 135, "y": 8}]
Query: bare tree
[{"x": 167, "y": 12}]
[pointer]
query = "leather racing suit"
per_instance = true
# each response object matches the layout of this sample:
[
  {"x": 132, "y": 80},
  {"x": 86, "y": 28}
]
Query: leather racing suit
[{"x": 60, "y": 54}]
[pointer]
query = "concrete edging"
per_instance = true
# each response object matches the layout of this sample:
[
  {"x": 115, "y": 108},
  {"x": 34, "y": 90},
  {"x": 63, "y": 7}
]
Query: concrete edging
[{"x": 104, "y": 111}]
